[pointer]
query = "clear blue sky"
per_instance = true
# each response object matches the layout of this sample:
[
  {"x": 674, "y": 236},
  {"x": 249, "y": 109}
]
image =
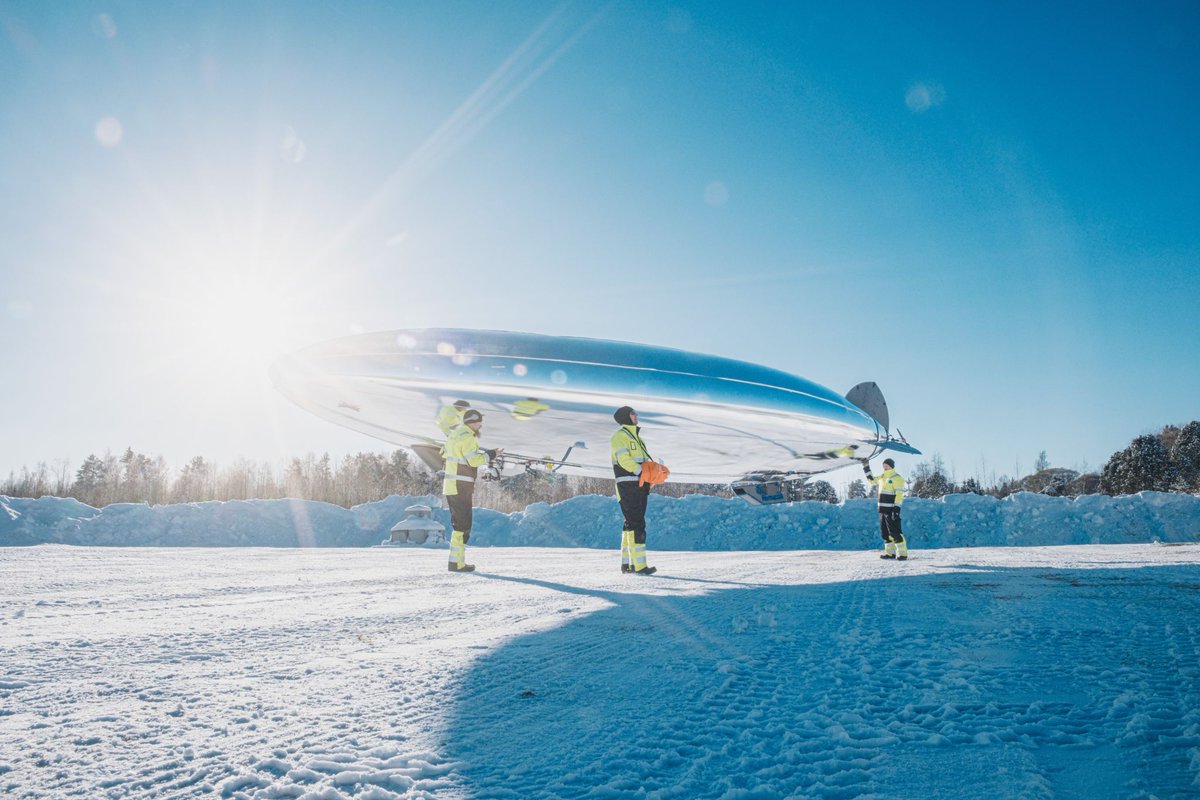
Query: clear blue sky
[{"x": 991, "y": 210}]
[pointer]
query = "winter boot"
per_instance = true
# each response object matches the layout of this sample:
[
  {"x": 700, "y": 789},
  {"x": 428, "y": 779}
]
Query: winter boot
[{"x": 646, "y": 571}]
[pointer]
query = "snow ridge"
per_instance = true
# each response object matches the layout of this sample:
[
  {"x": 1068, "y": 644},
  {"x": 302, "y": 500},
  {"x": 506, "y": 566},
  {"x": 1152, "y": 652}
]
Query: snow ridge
[{"x": 690, "y": 523}]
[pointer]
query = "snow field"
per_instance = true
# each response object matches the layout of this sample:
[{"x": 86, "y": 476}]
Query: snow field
[{"x": 1042, "y": 672}]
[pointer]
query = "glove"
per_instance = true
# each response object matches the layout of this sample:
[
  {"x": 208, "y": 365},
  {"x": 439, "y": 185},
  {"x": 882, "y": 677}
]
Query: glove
[
  {"x": 491, "y": 454},
  {"x": 866, "y": 469}
]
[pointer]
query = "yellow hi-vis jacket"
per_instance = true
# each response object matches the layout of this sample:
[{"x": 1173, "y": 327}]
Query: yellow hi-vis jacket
[
  {"x": 463, "y": 458},
  {"x": 449, "y": 417},
  {"x": 628, "y": 453},
  {"x": 528, "y": 409},
  {"x": 891, "y": 488}
]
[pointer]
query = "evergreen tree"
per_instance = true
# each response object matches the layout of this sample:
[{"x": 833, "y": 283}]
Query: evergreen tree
[
  {"x": 1143, "y": 466},
  {"x": 937, "y": 485},
  {"x": 407, "y": 475},
  {"x": 1186, "y": 455},
  {"x": 971, "y": 486},
  {"x": 135, "y": 474},
  {"x": 856, "y": 490},
  {"x": 89, "y": 480},
  {"x": 820, "y": 490}
]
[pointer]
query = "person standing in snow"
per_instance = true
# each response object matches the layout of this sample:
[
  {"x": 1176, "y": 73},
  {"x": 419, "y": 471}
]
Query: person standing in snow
[
  {"x": 891, "y": 496},
  {"x": 628, "y": 457},
  {"x": 464, "y": 457}
]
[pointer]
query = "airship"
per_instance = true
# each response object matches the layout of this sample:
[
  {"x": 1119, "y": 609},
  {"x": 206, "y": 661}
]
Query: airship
[{"x": 548, "y": 401}]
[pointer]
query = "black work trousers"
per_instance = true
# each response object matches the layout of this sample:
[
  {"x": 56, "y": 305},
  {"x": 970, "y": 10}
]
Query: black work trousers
[
  {"x": 889, "y": 525},
  {"x": 633, "y": 499},
  {"x": 461, "y": 508}
]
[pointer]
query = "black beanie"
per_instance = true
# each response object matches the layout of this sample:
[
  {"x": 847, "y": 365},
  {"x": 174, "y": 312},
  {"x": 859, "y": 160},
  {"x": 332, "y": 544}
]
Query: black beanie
[
  {"x": 472, "y": 416},
  {"x": 887, "y": 462},
  {"x": 624, "y": 415},
  {"x": 461, "y": 404}
]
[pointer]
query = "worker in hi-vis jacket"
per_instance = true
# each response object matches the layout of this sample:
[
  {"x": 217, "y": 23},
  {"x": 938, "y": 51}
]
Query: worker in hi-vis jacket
[
  {"x": 451, "y": 416},
  {"x": 891, "y": 497},
  {"x": 464, "y": 457},
  {"x": 628, "y": 456}
]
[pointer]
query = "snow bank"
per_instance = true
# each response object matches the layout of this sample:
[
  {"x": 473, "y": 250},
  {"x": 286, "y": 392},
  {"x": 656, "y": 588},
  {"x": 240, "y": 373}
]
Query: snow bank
[{"x": 690, "y": 523}]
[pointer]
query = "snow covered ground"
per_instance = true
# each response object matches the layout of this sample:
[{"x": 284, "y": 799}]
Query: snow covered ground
[{"x": 993, "y": 672}]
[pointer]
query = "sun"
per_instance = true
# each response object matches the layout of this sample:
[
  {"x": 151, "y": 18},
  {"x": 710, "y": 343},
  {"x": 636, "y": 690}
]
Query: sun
[
  {"x": 231, "y": 324},
  {"x": 241, "y": 323}
]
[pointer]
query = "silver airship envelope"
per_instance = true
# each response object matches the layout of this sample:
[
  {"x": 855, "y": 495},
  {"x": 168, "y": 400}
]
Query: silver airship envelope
[{"x": 549, "y": 402}]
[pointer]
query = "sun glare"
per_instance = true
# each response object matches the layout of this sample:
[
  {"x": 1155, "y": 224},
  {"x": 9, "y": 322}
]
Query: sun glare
[
  {"x": 241, "y": 323},
  {"x": 232, "y": 325}
]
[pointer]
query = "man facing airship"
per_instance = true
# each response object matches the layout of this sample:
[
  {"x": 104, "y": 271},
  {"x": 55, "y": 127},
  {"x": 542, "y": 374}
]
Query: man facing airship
[
  {"x": 891, "y": 495},
  {"x": 635, "y": 472},
  {"x": 464, "y": 456}
]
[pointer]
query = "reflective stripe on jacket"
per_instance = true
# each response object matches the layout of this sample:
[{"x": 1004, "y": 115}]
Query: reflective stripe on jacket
[
  {"x": 891, "y": 488},
  {"x": 628, "y": 453},
  {"x": 463, "y": 458}
]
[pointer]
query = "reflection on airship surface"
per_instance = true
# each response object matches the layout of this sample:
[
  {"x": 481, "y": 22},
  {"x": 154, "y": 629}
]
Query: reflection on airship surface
[{"x": 549, "y": 401}]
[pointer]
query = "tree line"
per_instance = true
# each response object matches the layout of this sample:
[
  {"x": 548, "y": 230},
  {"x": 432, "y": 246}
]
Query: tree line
[
  {"x": 135, "y": 477},
  {"x": 1168, "y": 461}
]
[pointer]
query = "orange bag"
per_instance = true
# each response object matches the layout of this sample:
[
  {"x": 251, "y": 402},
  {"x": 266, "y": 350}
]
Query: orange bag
[{"x": 653, "y": 473}]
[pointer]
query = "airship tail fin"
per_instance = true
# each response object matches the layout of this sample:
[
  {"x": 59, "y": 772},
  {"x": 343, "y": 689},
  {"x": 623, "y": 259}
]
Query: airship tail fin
[{"x": 869, "y": 398}]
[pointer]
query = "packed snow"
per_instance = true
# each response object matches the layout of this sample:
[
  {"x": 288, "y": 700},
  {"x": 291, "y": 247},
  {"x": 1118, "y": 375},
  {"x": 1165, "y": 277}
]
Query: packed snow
[
  {"x": 774, "y": 655},
  {"x": 697, "y": 522}
]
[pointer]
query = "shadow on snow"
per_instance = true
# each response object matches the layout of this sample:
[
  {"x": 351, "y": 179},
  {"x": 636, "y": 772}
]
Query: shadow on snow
[{"x": 981, "y": 681}]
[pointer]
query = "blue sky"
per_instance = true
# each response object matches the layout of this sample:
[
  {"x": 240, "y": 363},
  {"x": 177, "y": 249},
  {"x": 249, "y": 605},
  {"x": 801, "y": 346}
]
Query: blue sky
[{"x": 991, "y": 210}]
